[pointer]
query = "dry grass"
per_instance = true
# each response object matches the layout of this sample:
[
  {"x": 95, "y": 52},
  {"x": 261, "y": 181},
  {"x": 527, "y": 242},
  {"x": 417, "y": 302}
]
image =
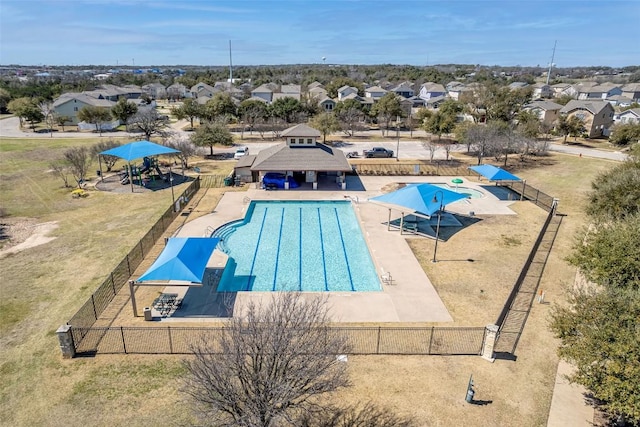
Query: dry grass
[{"x": 45, "y": 285}]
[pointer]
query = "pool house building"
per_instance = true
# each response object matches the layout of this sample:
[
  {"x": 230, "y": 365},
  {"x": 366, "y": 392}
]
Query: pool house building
[{"x": 301, "y": 158}]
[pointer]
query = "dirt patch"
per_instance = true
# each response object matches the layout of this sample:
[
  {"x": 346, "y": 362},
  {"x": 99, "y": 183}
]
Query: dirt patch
[{"x": 18, "y": 234}]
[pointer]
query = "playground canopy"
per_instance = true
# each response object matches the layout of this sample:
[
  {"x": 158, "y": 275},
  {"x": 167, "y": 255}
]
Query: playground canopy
[
  {"x": 493, "y": 173},
  {"x": 183, "y": 259},
  {"x": 425, "y": 199},
  {"x": 136, "y": 150}
]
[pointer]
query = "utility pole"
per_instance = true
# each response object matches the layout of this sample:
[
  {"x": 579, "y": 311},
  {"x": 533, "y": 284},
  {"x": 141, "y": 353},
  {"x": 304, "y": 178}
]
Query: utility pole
[
  {"x": 230, "y": 67},
  {"x": 551, "y": 63}
]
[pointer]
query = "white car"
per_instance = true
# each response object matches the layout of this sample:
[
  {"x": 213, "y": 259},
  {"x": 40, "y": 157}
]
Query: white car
[{"x": 242, "y": 151}]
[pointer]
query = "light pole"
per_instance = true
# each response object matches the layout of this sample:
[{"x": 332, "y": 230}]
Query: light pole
[
  {"x": 397, "y": 138},
  {"x": 435, "y": 200},
  {"x": 173, "y": 198}
]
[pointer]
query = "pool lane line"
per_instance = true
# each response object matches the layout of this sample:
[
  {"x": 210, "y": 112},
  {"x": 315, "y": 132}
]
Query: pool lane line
[
  {"x": 344, "y": 249},
  {"x": 300, "y": 253},
  {"x": 275, "y": 271},
  {"x": 255, "y": 253},
  {"x": 324, "y": 263}
]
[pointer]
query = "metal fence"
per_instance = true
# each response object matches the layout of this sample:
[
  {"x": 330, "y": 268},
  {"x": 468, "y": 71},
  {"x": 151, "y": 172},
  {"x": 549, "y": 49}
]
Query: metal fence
[
  {"x": 102, "y": 297},
  {"x": 530, "y": 193},
  {"x": 361, "y": 340},
  {"x": 436, "y": 167},
  {"x": 212, "y": 181}
]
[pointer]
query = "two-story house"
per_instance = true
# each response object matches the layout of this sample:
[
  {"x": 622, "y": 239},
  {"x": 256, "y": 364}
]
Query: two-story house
[
  {"x": 68, "y": 104},
  {"x": 547, "y": 111},
  {"x": 631, "y": 116},
  {"x": 404, "y": 90},
  {"x": 597, "y": 116},
  {"x": 431, "y": 90},
  {"x": 374, "y": 92},
  {"x": 632, "y": 91},
  {"x": 345, "y": 91}
]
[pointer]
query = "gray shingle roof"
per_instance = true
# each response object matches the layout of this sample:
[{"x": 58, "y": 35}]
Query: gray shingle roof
[
  {"x": 245, "y": 161},
  {"x": 83, "y": 97},
  {"x": 282, "y": 158},
  {"x": 594, "y": 107},
  {"x": 544, "y": 105},
  {"x": 301, "y": 130}
]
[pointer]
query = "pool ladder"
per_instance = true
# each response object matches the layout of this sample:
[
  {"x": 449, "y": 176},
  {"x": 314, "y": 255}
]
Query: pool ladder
[
  {"x": 352, "y": 198},
  {"x": 208, "y": 231},
  {"x": 246, "y": 200},
  {"x": 387, "y": 279}
]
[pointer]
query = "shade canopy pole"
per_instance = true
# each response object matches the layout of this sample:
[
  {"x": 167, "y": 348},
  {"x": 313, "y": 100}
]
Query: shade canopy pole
[
  {"x": 133, "y": 298},
  {"x": 131, "y": 177}
]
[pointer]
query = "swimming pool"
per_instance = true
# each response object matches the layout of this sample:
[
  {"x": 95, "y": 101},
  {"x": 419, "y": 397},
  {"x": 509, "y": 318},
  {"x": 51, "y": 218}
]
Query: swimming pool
[
  {"x": 313, "y": 246},
  {"x": 471, "y": 193}
]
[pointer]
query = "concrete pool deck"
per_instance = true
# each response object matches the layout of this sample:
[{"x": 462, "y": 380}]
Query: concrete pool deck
[{"x": 410, "y": 297}]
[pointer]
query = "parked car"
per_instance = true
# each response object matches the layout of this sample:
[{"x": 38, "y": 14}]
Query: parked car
[
  {"x": 242, "y": 151},
  {"x": 377, "y": 152}
]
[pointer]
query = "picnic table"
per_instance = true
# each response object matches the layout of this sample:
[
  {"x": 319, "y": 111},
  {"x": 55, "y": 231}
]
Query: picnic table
[{"x": 166, "y": 302}]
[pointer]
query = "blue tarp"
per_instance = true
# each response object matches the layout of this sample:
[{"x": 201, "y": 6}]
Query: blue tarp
[
  {"x": 493, "y": 173},
  {"x": 422, "y": 198},
  {"x": 183, "y": 258},
  {"x": 138, "y": 150}
]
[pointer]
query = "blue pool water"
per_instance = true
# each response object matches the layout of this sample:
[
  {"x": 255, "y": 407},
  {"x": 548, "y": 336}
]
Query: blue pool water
[
  {"x": 471, "y": 193},
  {"x": 314, "y": 246}
]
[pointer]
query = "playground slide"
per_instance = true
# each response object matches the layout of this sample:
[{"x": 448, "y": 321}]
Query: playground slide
[{"x": 160, "y": 174}]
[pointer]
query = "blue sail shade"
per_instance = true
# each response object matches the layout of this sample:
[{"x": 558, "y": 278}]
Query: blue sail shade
[
  {"x": 493, "y": 173},
  {"x": 138, "y": 150},
  {"x": 183, "y": 258},
  {"x": 422, "y": 198}
]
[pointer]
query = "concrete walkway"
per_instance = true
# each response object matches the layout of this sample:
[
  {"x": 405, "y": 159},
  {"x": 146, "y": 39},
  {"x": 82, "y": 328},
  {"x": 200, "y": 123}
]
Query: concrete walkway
[{"x": 568, "y": 405}]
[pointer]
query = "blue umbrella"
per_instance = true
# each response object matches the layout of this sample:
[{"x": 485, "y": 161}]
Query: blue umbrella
[
  {"x": 426, "y": 199},
  {"x": 493, "y": 173}
]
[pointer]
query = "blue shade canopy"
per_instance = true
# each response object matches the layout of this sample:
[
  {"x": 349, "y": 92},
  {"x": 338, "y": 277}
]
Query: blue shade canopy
[
  {"x": 493, "y": 173},
  {"x": 183, "y": 258},
  {"x": 138, "y": 150},
  {"x": 421, "y": 198}
]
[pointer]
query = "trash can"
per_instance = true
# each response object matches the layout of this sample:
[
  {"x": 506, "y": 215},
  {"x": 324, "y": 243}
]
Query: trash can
[
  {"x": 470, "y": 394},
  {"x": 228, "y": 181},
  {"x": 147, "y": 313}
]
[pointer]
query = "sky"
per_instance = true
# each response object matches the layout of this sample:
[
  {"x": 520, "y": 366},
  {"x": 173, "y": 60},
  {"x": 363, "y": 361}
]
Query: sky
[{"x": 271, "y": 32}]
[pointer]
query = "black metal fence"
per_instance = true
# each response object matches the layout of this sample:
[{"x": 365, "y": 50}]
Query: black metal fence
[
  {"x": 530, "y": 193},
  {"x": 361, "y": 340},
  {"x": 102, "y": 297}
]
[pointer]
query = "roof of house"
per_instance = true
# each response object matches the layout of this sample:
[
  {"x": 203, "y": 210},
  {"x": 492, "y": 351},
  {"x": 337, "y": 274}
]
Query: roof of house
[
  {"x": 290, "y": 89},
  {"x": 245, "y": 161},
  {"x": 435, "y": 100},
  {"x": 631, "y": 112},
  {"x": 325, "y": 100},
  {"x": 402, "y": 87},
  {"x": 155, "y": 85},
  {"x": 631, "y": 87},
  {"x": 84, "y": 98},
  {"x": 345, "y": 87},
  {"x": 267, "y": 87},
  {"x": 301, "y": 130},
  {"x": 375, "y": 89},
  {"x": 594, "y": 107},
  {"x": 433, "y": 87},
  {"x": 279, "y": 95},
  {"x": 518, "y": 85},
  {"x": 544, "y": 105},
  {"x": 203, "y": 86},
  {"x": 319, "y": 157},
  {"x": 314, "y": 85},
  {"x": 540, "y": 85}
]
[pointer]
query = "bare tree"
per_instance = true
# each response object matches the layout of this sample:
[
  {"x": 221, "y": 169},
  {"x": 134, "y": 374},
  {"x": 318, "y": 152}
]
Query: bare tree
[
  {"x": 108, "y": 160},
  {"x": 183, "y": 144},
  {"x": 366, "y": 415},
  {"x": 49, "y": 115},
  {"x": 276, "y": 365},
  {"x": 148, "y": 122},
  {"x": 432, "y": 147},
  {"x": 61, "y": 169},
  {"x": 79, "y": 160},
  {"x": 447, "y": 145}
]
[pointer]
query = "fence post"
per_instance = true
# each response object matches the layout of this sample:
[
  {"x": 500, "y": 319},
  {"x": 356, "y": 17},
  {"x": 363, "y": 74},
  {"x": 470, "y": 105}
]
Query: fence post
[
  {"x": 128, "y": 265},
  {"x": 170, "y": 342},
  {"x": 65, "y": 338},
  {"x": 93, "y": 303},
  {"x": 124, "y": 344},
  {"x": 430, "y": 341},
  {"x": 491, "y": 333},
  {"x": 113, "y": 284},
  {"x": 378, "y": 343},
  {"x": 141, "y": 249}
]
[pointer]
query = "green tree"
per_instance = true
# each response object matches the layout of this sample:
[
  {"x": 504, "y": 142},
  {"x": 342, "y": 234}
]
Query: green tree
[
  {"x": 251, "y": 111},
  {"x": 615, "y": 194},
  {"x": 79, "y": 161},
  {"x": 285, "y": 108},
  {"x": 95, "y": 115},
  {"x": 387, "y": 109},
  {"x": 443, "y": 120},
  {"x": 569, "y": 126},
  {"x": 624, "y": 134},
  {"x": 563, "y": 99},
  {"x": 62, "y": 120},
  {"x": 221, "y": 105},
  {"x": 350, "y": 114},
  {"x": 598, "y": 334},
  {"x": 210, "y": 134},
  {"x": 124, "y": 110},
  {"x": 5, "y": 97},
  {"x": 190, "y": 109},
  {"x": 26, "y": 109},
  {"x": 326, "y": 123},
  {"x": 528, "y": 124}
]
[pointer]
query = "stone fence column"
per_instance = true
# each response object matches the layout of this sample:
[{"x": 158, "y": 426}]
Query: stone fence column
[
  {"x": 491, "y": 333},
  {"x": 66, "y": 342}
]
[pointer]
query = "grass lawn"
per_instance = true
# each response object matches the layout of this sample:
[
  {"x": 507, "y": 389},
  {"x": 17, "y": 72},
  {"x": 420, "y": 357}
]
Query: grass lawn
[{"x": 43, "y": 286}]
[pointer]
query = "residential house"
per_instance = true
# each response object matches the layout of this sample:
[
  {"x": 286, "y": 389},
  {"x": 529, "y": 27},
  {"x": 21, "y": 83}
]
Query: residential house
[
  {"x": 68, "y": 104},
  {"x": 547, "y": 111},
  {"x": 432, "y": 90},
  {"x": 374, "y": 92},
  {"x": 596, "y": 115},
  {"x": 632, "y": 91},
  {"x": 317, "y": 92},
  {"x": 291, "y": 89},
  {"x": 327, "y": 104},
  {"x": 155, "y": 90},
  {"x": 265, "y": 91},
  {"x": 541, "y": 90},
  {"x": 417, "y": 102},
  {"x": 562, "y": 89},
  {"x": 365, "y": 102},
  {"x": 518, "y": 85},
  {"x": 133, "y": 91},
  {"x": 433, "y": 103},
  {"x": 235, "y": 92},
  {"x": 628, "y": 116},
  {"x": 620, "y": 101},
  {"x": 203, "y": 91},
  {"x": 277, "y": 95},
  {"x": 346, "y": 91},
  {"x": 403, "y": 89},
  {"x": 455, "y": 89},
  {"x": 314, "y": 85},
  {"x": 601, "y": 91},
  {"x": 178, "y": 91}
]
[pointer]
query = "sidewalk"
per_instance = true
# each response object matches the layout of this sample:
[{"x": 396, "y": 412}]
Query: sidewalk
[{"x": 568, "y": 406}]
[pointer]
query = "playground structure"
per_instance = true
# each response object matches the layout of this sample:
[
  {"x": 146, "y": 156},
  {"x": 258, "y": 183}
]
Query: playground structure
[{"x": 142, "y": 173}]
